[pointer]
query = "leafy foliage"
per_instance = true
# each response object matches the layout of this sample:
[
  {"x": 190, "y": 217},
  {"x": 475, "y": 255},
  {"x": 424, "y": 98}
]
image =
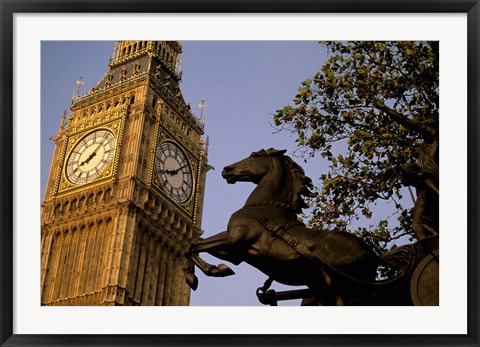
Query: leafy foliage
[{"x": 366, "y": 111}]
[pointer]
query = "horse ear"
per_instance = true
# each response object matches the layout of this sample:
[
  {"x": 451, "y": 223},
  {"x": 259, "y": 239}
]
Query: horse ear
[{"x": 281, "y": 152}]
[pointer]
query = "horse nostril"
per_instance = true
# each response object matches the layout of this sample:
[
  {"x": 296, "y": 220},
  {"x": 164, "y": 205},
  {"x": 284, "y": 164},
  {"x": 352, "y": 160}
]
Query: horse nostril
[{"x": 227, "y": 168}]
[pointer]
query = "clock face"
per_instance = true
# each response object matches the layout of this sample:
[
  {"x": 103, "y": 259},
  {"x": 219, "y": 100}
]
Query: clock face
[
  {"x": 90, "y": 157},
  {"x": 174, "y": 172}
]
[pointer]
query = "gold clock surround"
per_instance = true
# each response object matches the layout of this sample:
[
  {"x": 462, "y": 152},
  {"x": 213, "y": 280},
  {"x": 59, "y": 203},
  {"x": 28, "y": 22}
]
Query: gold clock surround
[{"x": 115, "y": 128}]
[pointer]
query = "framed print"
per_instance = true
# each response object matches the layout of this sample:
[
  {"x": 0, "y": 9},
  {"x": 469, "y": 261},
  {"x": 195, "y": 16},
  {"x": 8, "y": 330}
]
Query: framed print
[{"x": 90, "y": 150}]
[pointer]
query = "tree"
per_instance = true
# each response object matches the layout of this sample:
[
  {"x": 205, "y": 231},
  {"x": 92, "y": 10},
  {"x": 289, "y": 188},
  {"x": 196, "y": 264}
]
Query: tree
[{"x": 371, "y": 111}]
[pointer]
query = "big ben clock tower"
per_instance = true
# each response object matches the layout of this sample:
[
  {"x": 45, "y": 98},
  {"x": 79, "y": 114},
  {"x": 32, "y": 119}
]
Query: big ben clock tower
[{"x": 124, "y": 197}]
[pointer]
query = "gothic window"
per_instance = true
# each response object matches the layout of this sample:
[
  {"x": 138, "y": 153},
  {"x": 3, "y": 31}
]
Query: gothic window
[
  {"x": 66, "y": 207},
  {"x": 58, "y": 210},
  {"x": 108, "y": 194},
  {"x": 176, "y": 222},
  {"x": 99, "y": 197},
  {"x": 74, "y": 204},
  {"x": 183, "y": 228},
  {"x": 82, "y": 201},
  {"x": 90, "y": 199}
]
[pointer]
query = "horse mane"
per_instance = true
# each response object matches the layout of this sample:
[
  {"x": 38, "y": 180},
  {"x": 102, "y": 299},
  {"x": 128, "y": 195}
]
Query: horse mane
[{"x": 301, "y": 184}]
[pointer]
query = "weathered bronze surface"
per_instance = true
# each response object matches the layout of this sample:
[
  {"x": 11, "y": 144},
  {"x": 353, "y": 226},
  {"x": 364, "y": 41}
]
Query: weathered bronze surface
[
  {"x": 338, "y": 267},
  {"x": 424, "y": 283},
  {"x": 424, "y": 176}
]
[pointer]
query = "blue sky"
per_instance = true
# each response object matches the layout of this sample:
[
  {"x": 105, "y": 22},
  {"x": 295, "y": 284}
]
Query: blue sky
[{"x": 243, "y": 83}]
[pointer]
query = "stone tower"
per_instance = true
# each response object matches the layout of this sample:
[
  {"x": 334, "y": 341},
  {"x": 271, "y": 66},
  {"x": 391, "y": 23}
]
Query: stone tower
[{"x": 124, "y": 197}]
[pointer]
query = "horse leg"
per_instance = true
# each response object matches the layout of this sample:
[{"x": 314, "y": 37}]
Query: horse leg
[
  {"x": 221, "y": 242},
  {"x": 208, "y": 269},
  {"x": 190, "y": 277},
  {"x": 216, "y": 245},
  {"x": 210, "y": 243},
  {"x": 220, "y": 270}
]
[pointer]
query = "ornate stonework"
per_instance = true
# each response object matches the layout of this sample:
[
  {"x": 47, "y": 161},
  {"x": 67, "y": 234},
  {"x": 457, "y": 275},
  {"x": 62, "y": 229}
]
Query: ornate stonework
[{"x": 119, "y": 239}]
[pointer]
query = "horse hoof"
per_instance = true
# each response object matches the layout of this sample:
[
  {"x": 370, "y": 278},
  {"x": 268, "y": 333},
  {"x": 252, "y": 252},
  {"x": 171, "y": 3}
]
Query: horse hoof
[
  {"x": 192, "y": 281},
  {"x": 223, "y": 270}
]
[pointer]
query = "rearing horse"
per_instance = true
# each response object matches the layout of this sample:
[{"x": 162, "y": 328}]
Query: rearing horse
[{"x": 276, "y": 201}]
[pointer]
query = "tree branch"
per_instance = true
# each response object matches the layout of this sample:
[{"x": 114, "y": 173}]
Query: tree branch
[
  {"x": 401, "y": 119},
  {"x": 407, "y": 233}
]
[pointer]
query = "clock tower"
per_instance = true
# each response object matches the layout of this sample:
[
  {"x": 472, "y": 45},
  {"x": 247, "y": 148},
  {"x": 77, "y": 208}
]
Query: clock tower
[{"x": 124, "y": 197}]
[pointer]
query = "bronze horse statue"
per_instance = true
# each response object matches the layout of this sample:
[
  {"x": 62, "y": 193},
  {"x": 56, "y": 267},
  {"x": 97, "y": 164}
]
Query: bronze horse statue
[{"x": 266, "y": 233}]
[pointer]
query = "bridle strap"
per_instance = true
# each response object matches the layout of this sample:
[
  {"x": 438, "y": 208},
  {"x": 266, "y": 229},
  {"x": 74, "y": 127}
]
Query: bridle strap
[{"x": 282, "y": 205}]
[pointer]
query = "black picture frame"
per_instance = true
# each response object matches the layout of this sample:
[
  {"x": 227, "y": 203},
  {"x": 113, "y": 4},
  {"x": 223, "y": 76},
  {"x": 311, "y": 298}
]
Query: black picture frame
[{"x": 10, "y": 7}]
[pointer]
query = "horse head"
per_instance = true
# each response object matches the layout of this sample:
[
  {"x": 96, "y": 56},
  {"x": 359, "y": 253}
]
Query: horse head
[
  {"x": 252, "y": 168},
  {"x": 286, "y": 177}
]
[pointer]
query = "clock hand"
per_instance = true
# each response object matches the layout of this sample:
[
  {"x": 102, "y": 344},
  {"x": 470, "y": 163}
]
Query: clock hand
[
  {"x": 84, "y": 162},
  {"x": 95, "y": 151},
  {"x": 89, "y": 158},
  {"x": 174, "y": 172},
  {"x": 168, "y": 172}
]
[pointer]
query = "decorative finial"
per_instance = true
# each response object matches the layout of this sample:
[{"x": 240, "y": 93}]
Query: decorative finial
[
  {"x": 62, "y": 123},
  {"x": 115, "y": 51},
  {"x": 79, "y": 83},
  {"x": 202, "y": 107},
  {"x": 178, "y": 67}
]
